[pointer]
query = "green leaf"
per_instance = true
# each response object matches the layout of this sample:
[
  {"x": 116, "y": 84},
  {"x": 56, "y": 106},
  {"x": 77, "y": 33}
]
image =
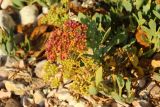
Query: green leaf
[
  {"x": 120, "y": 82},
  {"x": 152, "y": 25},
  {"x": 42, "y": 3},
  {"x": 106, "y": 35},
  {"x": 157, "y": 14},
  {"x": 92, "y": 90},
  {"x": 18, "y": 3},
  {"x": 148, "y": 31},
  {"x": 127, "y": 5},
  {"x": 99, "y": 76},
  {"x": 139, "y": 19},
  {"x": 9, "y": 46},
  {"x": 139, "y": 3},
  {"x": 128, "y": 87},
  {"x": 146, "y": 8},
  {"x": 81, "y": 16},
  {"x": 116, "y": 96}
]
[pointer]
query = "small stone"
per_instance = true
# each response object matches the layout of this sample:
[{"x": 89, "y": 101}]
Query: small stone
[
  {"x": 141, "y": 103},
  {"x": 45, "y": 10},
  {"x": 3, "y": 59},
  {"x": 27, "y": 102},
  {"x": 21, "y": 64},
  {"x": 3, "y": 74},
  {"x": 4, "y": 95},
  {"x": 11, "y": 62},
  {"x": 39, "y": 70},
  {"x": 6, "y": 3},
  {"x": 28, "y": 14},
  {"x": 88, "y": 3},
  {"x": 115, "y": 104},
  {"x": 6, "y": 21},
  {"x": 155, "y": 92},
  {"x": 12, "y": 103},
  {"x": 150, "y": 86},
  {"x": 39, "y": 98},
  {"x": 18, "y": 88},
  {"x": 144, "y": 95},
  {"x": 141, "y": 82},
  {"x": 1, "y": 85}
]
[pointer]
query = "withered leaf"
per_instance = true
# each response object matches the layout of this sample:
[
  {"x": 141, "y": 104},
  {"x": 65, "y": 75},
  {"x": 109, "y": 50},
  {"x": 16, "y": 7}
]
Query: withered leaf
[
  {"x": 38, "y": 31},
  {"x": 141, "y": 38}
]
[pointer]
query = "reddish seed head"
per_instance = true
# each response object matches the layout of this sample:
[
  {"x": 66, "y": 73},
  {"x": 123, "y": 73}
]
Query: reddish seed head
[{"x": 71, "y": 37}]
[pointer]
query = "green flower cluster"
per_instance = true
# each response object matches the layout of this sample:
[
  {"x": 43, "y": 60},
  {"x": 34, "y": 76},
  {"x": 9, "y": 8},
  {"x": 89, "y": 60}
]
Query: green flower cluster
[
  {"x": 81, "y": 71},
  {"x": 50, "y": 71},
  {"x": 56, "y": 16}
]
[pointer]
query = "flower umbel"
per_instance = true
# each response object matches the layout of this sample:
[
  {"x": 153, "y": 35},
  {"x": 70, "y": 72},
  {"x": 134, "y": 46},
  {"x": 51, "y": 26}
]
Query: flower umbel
[{"x": 66, "y": 40}]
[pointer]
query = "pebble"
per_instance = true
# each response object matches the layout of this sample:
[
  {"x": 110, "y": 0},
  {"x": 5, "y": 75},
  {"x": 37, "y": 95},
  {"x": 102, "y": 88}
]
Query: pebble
[
  {"x": 12, "y": 103},
  {"x": 3, "y": 59},
  {"x": 39, "y": 98},
  {"x": 6, "y": 3},
  {"x": 6, "y": 21},
  {"x": 115, "y": 104},
  {"x": 141, "y": 82},
  {"x": 11, "y": 62},
  {"x": 4, "y": 94},
  {"x": 88, "y": 3},
  {"x": 141, "y": 103},
  {"x": 28, "y": 14},
  {"x": 155, "y": 92},
  {"x": 3, "y": 74},
  {"x": 39, "y": 71},
  {"x": 45, "y": 10},
  {"x": 27, "y": 102},
  {"x": 17, "y": 89}
]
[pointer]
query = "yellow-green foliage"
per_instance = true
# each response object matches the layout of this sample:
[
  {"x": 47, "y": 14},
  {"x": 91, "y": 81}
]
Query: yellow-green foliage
[
  {"x": 56, "y": 16},
  {"x": 51, "y": 70},
  {"x": 81, "y": 71}
]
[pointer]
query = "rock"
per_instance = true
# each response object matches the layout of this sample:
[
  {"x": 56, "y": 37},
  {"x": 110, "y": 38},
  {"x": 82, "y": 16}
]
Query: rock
[
  {"x": 4, "y": 95},
  {"x": 39, "y": 71},
  {"x": 115, "y": 104},
  {"x": 27, "y": 102},
  {"x": 39, "y": 98},
  {"x": 21, "y": 75},
  {"x": 88, "y": 3},
  {"x": 18, "y": 88},
  {"x": 12, "y": 103},
  {"x": 6, "y": 21},
  {"x": 64, "y": 95},
  {"x": 141, "y": 82},
  {"x": 21, "y": 64},
  {"x": 3, "y": 74},
  {"x": 6, "y": 3},
  {"x": 141, "y": 103},
  {"x": 3, "y": 59},
  {"x": 150, "y": 86},
  {"x": 144, "y": 95},
  {"x": 11, "y": 62},
  {"x": 45, "y": 10},
  {"x": 28, "y": 14},
  {"x": 155, "y": 92},
  {"x": 1, "y": 85},
  {"x": 19, "y": 38}
]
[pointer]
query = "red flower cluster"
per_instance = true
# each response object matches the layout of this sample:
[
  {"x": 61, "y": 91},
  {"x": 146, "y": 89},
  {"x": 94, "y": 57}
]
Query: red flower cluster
[{"x": 70, "y": 38}]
